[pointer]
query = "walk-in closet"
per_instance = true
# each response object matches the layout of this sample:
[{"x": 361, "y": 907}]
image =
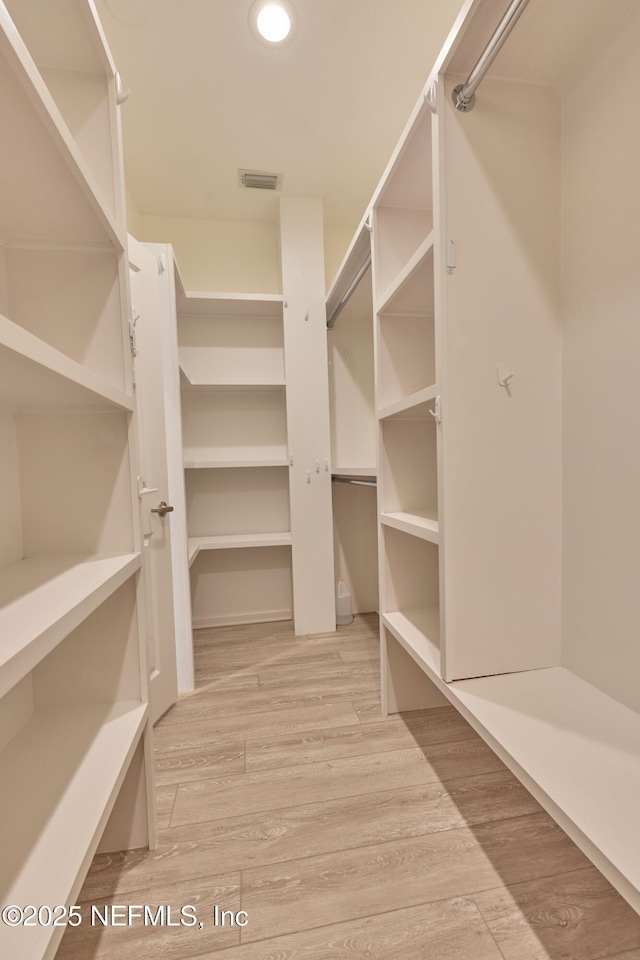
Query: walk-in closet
[{"x": 318, "y": 480}]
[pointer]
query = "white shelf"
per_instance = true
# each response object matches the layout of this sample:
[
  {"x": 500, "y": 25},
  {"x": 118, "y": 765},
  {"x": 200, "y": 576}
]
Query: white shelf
[
  {"x": 415, "y": 407},
  {"x": 190, "y": 464},
  {"x": 579, "y": 751},
  {"x": 237, "y": 541},
  {"x": 391, "y": 298},
  {"x": 230, "y": 304},
  {"x": 35, "y": 374},
  {"x": 421, "y": 524},
  {"x": 58, "y": 198},
  {"x": 237, "y": 386},
  {"x": 59, "y": 778},
  {"x": 354, "y": 472},
  {"x": 43, "y": 599},
  {"x": 418, "y": 631}
]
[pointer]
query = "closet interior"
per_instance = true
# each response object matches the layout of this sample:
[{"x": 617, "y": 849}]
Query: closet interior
[
  {"x": 465, "y": 463},
  {"x": 503, "y": 254},
  {"x": 353, "y": 425},
  {"x": 74, "y": 738}
]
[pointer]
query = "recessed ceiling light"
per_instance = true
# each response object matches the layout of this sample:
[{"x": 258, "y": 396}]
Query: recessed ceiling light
[{"x": 272, "y": 22}]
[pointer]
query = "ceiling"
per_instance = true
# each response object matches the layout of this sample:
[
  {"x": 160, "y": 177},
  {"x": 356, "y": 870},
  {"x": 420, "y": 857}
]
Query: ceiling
[{"x": 324, "y": 110}]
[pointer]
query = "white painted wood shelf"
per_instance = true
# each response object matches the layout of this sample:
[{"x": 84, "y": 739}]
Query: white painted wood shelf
[
  {"x": 230, "y": 304},
  {"x": 65, "y": 767},
  {"x": 391, "y": 295},
  {"x": 418, "y": 631},
  {"x": 418, "y": 406},
  {"x": 419, "y": 523},
  {"x": 70, "y": 210},
  {"x": 212, "y": 464},
  {"x": 43, "y": 599},
  {"x": 368, "y": 472},
  {"x": 236, "y": 542},
  {"x": 35, "y": 374},
  {"x": 576, "y": 749}
]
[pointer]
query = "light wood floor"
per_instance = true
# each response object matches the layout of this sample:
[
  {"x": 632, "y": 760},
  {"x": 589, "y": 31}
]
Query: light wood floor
[{"x": 283, "y": 792}]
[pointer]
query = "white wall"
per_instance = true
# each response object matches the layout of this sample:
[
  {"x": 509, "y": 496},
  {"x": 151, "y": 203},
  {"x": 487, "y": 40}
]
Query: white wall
[
  {"x": 601, "y": 509},
  {"x": 229, "y": 256}
]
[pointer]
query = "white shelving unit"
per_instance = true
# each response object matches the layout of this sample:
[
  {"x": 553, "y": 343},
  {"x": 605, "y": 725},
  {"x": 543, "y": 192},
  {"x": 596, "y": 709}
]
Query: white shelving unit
[
  {"x": 234, "y": 417},
  {"x": 508, "y": 521},
  {"x": 406, "y": 395},
  {"x": 73, "y": 688}
]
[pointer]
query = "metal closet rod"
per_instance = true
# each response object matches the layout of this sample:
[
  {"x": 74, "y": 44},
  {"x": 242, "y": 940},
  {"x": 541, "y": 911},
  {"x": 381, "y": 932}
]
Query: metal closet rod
[
  {"x": 464, "y": 94},
  {"x": 336, "y": 478},
  {"x": 349, "y": 293}
]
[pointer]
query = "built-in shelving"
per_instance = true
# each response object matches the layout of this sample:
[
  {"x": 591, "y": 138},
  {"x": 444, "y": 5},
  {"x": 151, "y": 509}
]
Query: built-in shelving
[
  {"x": 65, "y": 767},
  {"x": 576, "y": 748},
  {"x": 34, "y": 374},
  {"x": 366, "y": 472},
  {"x": 239, "y": 541},
  {"x": 59, "y": 198},
  {"x": 202, "y": 464},
  {"x": 418, "y": 406},
  {"x": 43, "y": 599},
  {"x": 235, "y": 454},
  {"x": 418, "y": 630},
  {"x": 73, "y": 689},
  {"x": 419, "y": 523}
]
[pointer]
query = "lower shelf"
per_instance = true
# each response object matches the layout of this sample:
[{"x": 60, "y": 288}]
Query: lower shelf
[
  {"x": 59, "y": 779},
  {"x": 419, "y": 633},
  {"x": 236, "y": 541},
  {"x": 576, "y": 749}
]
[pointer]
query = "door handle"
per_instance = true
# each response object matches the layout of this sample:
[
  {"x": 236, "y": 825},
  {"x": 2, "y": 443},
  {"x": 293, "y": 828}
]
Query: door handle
[{"x": 162, "y": 509}]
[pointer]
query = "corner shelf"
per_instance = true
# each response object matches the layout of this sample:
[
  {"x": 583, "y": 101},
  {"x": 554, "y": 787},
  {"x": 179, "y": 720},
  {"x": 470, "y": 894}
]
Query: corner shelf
[
  {"x": 65, "y": 767},
  {"x": 43, "y": 599},
  {"x": 236, "y": 541}
]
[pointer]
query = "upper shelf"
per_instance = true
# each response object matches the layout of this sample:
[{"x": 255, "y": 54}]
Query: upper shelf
[
  {"x": 409, "y": 182},
  {"x": 49, "y": 194},
  {"x": 34, "y": 374},
  {"x": 65, "y": 35},
  {"x": 44, "y": 598}
]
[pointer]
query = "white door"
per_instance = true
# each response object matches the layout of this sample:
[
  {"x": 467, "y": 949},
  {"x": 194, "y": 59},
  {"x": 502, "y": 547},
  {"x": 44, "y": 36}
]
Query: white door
[{"x": 156, "y": 508}]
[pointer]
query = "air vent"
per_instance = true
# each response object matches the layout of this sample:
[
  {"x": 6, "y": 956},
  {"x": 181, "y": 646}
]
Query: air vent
[{"x": 259, "y": 180}]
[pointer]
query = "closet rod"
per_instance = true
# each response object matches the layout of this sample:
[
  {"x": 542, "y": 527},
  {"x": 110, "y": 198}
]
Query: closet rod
[
  {"x": 357, "y": 483},
  {"x": 464, "y": 95},
  {"x": 350, "y": 291}
]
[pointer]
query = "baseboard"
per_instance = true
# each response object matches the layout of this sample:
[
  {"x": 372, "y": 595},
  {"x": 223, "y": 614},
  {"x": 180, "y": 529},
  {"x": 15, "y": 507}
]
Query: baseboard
[{"x": 233, "y": 620}]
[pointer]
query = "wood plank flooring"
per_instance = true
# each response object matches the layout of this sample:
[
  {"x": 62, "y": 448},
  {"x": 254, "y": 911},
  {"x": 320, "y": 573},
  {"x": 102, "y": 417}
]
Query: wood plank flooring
[{"x": 286, "y": 799}]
